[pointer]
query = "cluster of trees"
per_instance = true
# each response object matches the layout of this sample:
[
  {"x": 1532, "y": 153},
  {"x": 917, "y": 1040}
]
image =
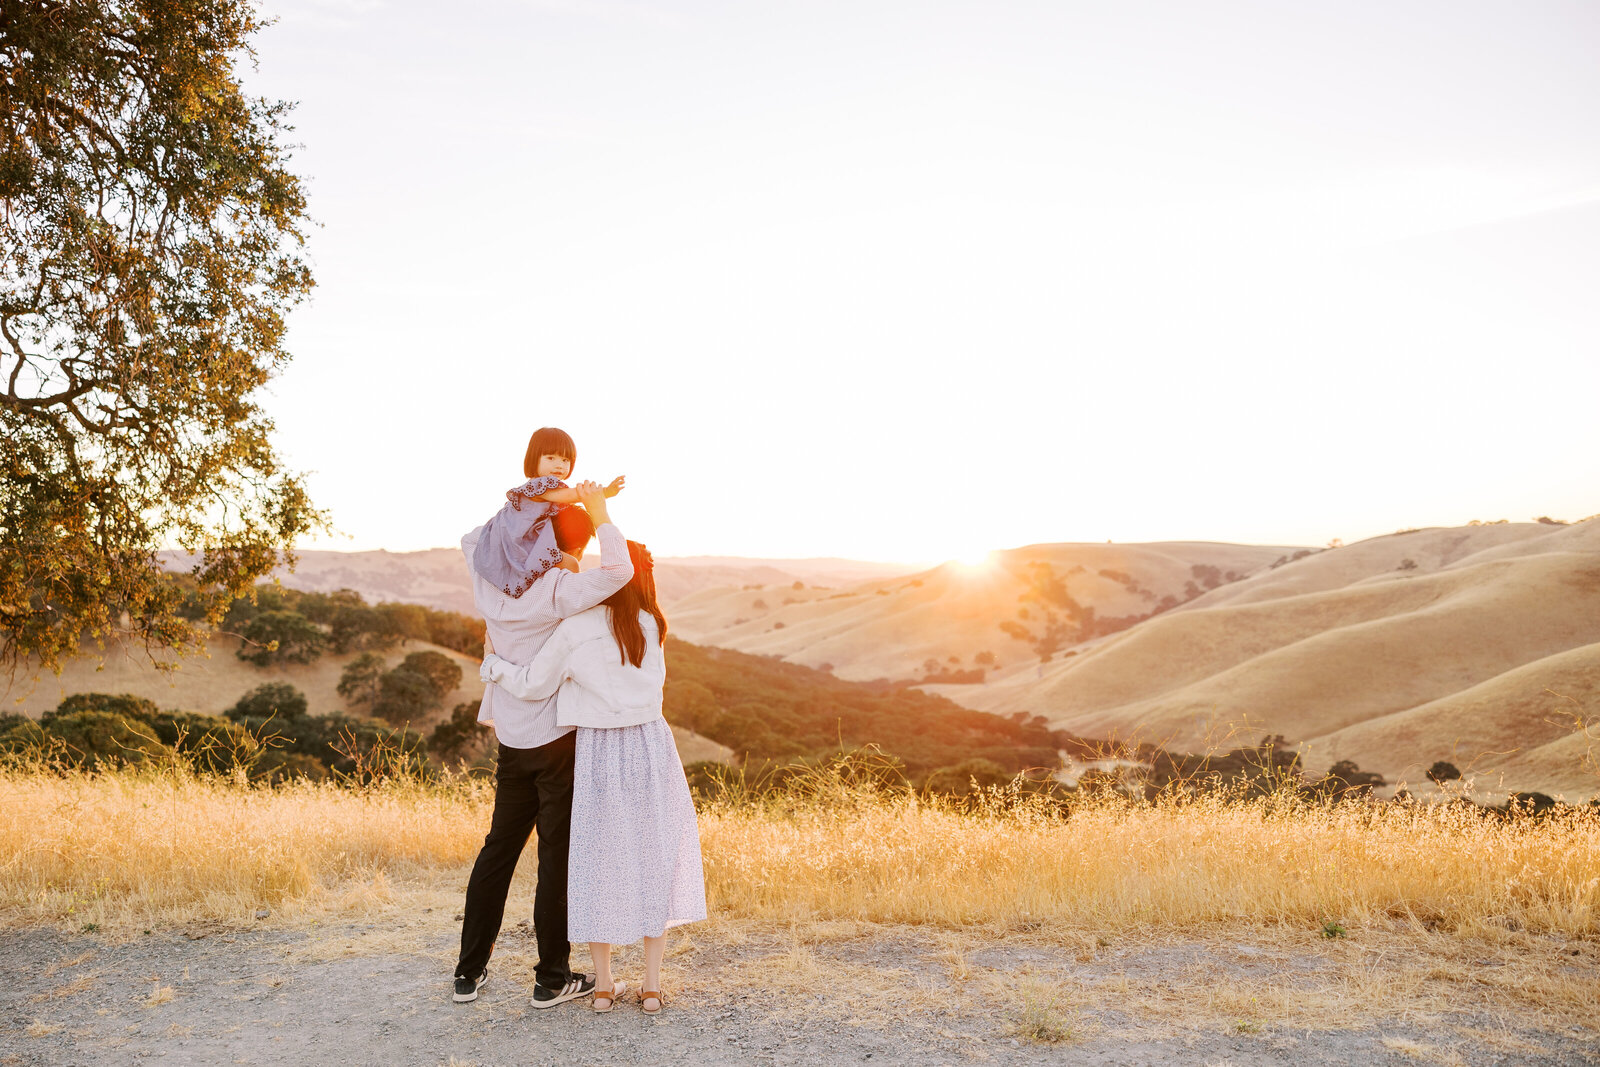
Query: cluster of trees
[
  {"x": 783, "y": 720},
  {"x": 1269, "y": 767},
  {"x": 768, "y": 710},
  {"x": 279, "y": 625},
  {"x": 1050, "y": 618},
  {"x": 950, "y": 671},
  {"x": 269, "y": 733},
  {"x": 409, "y": 692}
]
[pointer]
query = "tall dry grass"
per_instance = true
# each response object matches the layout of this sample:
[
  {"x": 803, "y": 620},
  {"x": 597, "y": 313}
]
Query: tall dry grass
[
  {"x": 166, "y": 846},
  {"x": 1113, "y": 865}
]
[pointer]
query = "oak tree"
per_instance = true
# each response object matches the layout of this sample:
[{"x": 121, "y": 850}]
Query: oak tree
[{"x": 150, "y": 246}]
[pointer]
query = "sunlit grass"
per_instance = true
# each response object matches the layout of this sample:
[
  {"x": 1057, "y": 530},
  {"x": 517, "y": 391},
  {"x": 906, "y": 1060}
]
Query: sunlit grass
[{"x": 129, "y": 848}]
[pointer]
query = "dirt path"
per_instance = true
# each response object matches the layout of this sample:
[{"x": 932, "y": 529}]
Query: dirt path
[{"x": 344, "y": 996}]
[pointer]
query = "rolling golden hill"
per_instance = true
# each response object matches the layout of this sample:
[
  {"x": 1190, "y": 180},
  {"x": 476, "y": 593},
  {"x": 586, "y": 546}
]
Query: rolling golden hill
[
  {"x": 891, "y": 628},
  {"x": 1477, "y": 645}
]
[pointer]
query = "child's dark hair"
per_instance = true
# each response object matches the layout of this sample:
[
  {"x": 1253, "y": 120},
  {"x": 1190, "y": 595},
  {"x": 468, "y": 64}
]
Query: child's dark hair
[{"x": 548, "y": 441}]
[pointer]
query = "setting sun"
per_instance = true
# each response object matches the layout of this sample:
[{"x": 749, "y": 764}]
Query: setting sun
[{"x": 973, "y": 561}]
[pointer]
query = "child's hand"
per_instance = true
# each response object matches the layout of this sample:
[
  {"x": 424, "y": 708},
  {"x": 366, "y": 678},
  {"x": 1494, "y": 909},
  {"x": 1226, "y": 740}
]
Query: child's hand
[
  {"x": 616, "y": 486},
  {"x": 488, "y": 645}
]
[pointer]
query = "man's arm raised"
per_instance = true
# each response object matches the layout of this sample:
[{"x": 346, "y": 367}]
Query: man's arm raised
[
  {"x": 573, "y": 496},
  {"x": 580, "y": 592}
]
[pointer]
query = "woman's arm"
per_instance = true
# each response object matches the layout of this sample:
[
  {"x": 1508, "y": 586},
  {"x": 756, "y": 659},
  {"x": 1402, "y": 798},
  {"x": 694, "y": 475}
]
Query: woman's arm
[{"x": 537, "y": 680}]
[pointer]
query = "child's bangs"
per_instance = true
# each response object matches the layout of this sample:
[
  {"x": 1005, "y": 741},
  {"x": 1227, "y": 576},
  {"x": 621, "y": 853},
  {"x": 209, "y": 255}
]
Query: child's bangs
[
  {"x": 552, "y": 442},
  {"x": 549, "y": 441}
]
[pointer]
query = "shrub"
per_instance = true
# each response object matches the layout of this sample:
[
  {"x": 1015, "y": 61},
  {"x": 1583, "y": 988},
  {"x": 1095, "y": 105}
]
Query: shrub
[
  {"x": 1346, "y": 779},
  {"x": 280, "y": 637},
  {"x": 442, "y": 671},
  {"x": 358, "y": 684},
  {"x": 104, "y": 739},
  {"x": 968, "y": 776},
  {"x": 460, "y": 737},
  {"x": 209, "y": 742},
  {"x": 1442, "y": 772},
  {"x": 278, "y": 701},
  {"x": 124, "y": 704},
  {"x": 415, "y": 688},
  {"x": 404, "y": 696},
  {"x": 285, "y": 765}
]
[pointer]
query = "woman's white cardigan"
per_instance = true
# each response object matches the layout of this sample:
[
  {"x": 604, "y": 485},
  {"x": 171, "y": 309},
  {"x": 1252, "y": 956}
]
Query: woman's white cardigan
[{"x": 582, "y": 664}]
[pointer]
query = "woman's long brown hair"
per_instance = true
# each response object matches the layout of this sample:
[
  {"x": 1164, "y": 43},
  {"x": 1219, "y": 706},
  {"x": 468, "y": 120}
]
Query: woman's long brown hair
[{"x": 625, "y": 604}]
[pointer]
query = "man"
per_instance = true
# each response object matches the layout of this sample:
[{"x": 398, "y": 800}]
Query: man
[{"x": 533, "y": 782}]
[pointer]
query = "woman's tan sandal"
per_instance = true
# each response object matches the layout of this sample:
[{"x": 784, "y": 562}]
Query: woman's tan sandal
[
  {"x": 606, "y": 999},
  {"x": 648, "y": 995}
]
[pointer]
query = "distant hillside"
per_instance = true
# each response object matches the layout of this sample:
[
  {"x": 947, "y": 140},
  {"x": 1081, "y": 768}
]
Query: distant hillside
[
  {"x": 679, "y": 576},
  {"x": 1477, "y": 645},
  {"x": 211, "y": 683},
  {"x": 1015, "y": 608},
  {"x": 437, "y": 577}
]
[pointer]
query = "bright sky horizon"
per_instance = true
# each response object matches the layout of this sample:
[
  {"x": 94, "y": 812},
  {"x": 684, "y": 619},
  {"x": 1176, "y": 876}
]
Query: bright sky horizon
[{"x": 900, "y": 281}]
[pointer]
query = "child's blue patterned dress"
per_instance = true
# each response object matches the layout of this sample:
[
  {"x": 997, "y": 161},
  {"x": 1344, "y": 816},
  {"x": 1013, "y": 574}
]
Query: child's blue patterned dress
[{"x": 519, "y": 544}]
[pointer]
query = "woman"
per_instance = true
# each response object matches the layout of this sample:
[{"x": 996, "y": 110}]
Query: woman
[{"x": 634, "y": 862}]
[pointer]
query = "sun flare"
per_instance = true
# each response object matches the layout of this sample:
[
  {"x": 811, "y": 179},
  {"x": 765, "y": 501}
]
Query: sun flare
[{"x": 974, "y": 561}]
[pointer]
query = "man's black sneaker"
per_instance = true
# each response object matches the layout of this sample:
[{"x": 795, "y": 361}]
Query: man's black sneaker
[
  {"x": 579, "y": 985},
  {"x": 467, "y": 988}
]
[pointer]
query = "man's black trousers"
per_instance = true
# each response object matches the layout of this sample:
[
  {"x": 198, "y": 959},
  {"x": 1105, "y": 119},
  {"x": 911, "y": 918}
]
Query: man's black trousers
[{"x": 533, "y": 788}]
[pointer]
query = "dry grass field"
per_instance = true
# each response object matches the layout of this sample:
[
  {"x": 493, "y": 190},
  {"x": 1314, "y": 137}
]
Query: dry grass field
[{"x": 1235, "y": 918}]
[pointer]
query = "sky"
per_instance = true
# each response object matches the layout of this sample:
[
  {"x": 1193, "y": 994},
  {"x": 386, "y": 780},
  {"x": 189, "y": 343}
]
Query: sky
[{"x": 915, "y": 280}]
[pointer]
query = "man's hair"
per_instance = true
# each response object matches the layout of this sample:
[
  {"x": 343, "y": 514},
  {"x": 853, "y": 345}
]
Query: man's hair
[
  {"x": 573, "y": 529},
  {"x": 548, "y": 441}
]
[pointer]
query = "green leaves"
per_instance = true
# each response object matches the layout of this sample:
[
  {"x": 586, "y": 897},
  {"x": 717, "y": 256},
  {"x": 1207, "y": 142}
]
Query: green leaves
[{"x": 149, "y": 254}]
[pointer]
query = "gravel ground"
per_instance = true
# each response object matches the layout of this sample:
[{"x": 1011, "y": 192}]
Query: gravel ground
[{"x": 267, "y": 997}]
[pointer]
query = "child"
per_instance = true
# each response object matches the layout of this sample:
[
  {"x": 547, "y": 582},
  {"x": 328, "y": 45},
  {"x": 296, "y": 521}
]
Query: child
[{"x": 518, "y": 545}]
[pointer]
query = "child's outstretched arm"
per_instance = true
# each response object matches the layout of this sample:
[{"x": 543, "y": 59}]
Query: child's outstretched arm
[{"x": 570, "y": 496}]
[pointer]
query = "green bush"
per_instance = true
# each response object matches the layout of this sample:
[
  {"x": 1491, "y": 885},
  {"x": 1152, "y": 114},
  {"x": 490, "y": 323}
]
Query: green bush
[
  {"x": 461, "y": 737},
  {"x": 275, "y": 701},
  {"x": 416, "y": 688},
  {"x": 104, "y": 739},
  {"x": 968, "y": 776},
  {"x": 280, "y": 637}
]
